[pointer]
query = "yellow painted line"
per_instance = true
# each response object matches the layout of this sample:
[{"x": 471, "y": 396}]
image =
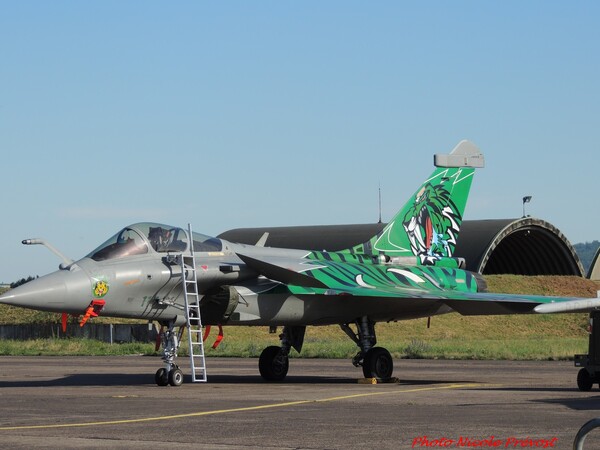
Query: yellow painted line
[{"x": 234, "y": 410}]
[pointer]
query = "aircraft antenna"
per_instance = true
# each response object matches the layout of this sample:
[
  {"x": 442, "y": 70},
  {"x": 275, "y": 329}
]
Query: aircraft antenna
[{"x": 379, "y": 202}]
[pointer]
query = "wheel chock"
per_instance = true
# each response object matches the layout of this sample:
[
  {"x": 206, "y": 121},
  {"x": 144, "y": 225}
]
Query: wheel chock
[{"x": 378, "y": 380}]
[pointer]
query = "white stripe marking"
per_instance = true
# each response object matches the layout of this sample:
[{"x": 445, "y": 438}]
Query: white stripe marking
[{"x": 409, "y": 275}]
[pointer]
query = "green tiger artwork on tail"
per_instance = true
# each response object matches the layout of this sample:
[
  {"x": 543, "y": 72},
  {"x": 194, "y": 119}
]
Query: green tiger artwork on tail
[
  {"x": 433, "y": 222},
  {"x": 427, "y": 226}
]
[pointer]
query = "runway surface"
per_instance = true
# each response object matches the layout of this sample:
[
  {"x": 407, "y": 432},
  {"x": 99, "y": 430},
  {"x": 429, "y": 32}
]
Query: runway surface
[{"x": 112, "y": 402}]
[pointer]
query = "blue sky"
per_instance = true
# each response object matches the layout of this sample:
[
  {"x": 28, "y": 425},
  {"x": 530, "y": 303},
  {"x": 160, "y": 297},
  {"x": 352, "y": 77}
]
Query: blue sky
[{"x": 247, "y": 114}]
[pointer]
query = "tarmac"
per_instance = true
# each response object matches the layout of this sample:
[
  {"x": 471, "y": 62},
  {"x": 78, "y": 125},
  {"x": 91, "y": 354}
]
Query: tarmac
[{"x": 112, "y": 402}]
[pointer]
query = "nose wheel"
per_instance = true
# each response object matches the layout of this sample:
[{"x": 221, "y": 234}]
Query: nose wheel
[
  {"x": 164, "y": 377},
  {"x": 170, "y": 374},
  {"x": 161, "y": 377}
]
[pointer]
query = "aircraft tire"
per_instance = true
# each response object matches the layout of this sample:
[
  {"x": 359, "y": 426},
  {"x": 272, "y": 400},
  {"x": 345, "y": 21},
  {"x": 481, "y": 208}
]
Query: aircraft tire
[
  {"x": 584, "y": 380},
  {"x": 378, "y": 363},
  {"x": 271, "y": 365},
  {"x": 175, "y": 377},
  {"x": 161, "y": 377}
]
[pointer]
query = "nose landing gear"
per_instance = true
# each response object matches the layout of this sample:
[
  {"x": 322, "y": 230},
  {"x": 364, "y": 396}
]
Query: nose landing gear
[{"x": 171, "y": 373}]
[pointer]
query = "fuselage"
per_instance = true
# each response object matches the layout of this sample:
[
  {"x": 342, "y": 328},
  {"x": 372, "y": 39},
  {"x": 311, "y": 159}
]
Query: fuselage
[{"x": 135, "y": 275}]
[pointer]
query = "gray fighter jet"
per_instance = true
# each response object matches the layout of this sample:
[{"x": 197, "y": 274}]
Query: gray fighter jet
[{"x": 406, "y": 271}]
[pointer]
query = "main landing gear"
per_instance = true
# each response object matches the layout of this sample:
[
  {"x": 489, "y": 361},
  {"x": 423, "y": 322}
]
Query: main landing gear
[
  {"x": 171, "y": 373},
  {"x": 376, "y": 362},
  {"x": 274, "y": 361}
]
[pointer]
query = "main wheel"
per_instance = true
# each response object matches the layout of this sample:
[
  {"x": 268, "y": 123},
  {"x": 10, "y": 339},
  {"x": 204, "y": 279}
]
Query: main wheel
[
  {"x": 273, "y": 366},
  {"x": 378, "y": 363},
  {"x": 161, "y": 377},
  {"x": 584, "y": 380},
  {"x": 175, "y": 377}
]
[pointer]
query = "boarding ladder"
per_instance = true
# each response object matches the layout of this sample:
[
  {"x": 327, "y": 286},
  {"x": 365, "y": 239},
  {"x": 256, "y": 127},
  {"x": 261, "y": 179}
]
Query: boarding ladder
[{"x": 192, "y": 312}]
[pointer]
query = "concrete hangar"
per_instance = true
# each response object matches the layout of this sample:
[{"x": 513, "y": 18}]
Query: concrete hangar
[{"x": 525, "y": 246}]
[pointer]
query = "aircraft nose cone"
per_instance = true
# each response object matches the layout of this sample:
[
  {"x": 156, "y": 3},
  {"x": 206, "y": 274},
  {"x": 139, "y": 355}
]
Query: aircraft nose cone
[{"x": 61, "y": 291}]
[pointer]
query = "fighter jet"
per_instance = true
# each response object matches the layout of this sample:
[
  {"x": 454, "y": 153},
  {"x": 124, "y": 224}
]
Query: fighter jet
[{"x": 406, "y": 271}]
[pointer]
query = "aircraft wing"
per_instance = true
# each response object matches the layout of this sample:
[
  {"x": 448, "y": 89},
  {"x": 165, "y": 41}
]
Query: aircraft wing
[
  {"x": 285, "y": 270},
  {"x": 311, "y": 277}
]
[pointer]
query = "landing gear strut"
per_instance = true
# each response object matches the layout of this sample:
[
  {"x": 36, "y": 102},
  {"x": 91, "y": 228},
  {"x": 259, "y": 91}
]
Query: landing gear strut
[
  {"x": 274, "y": 362},
  {"x": 171, "y": 373},
  {"x": 589, "y": 372},
  {"x": 376, "y": 362}
]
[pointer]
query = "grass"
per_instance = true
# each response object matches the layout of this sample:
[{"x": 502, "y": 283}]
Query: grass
[
  {"x": 451, "y": 337},
  {"x": 472, "y": 349},
  {"x": 79, "y": 347},
  {"x": 524, "y": 337}
]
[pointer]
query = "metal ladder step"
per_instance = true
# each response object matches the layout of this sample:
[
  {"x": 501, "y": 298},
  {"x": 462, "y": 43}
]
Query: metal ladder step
[{"x": 192, "y": 312}]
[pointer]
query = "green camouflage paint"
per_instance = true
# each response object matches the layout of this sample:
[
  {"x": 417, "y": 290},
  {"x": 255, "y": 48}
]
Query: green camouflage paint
[
  {"x": 428, "y": 225},
  {"x": 339, "y": 275}
]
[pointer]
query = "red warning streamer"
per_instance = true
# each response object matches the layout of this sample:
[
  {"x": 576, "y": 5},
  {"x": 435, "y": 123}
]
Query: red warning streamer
[
  {"x": 92, "y": 311},
  {"x": 219, "y": 337}
]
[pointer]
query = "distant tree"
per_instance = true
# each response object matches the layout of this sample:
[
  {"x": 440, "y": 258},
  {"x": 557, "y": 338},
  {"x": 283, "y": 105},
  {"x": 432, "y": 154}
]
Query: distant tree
[
  {"x": 22, "y": 281},
  {"x": 586, "y": 252}
]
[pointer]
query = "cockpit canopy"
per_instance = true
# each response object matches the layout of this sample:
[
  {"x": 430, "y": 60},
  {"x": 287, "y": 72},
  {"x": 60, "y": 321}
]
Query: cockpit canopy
[{"x": 142, "y": 238}]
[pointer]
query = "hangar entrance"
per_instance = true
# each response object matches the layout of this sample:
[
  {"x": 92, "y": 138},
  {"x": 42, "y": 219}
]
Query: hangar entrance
[{"x": 525, "y": 246}]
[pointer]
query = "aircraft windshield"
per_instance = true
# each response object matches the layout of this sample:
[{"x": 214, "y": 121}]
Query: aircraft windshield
[
  {"x": 126, "y": 242},
  {"x": 162, "y": 239}
]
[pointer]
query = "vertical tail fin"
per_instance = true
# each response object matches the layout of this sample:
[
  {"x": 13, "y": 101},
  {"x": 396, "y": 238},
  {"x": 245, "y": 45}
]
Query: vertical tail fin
[{"x": 428, "y": 224}]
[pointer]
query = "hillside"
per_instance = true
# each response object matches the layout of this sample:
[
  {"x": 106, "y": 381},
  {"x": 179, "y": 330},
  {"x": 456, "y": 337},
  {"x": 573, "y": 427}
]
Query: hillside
[{"x": 586, "y": 252}]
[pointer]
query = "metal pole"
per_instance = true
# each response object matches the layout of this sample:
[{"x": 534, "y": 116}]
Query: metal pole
[{"x": 526, "y": 199}]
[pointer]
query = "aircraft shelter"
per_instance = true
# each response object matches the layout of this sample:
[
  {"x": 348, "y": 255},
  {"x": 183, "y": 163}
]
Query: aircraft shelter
[
  {"x": 594, "y": 273},
  {"x": 525, "y": 246}
]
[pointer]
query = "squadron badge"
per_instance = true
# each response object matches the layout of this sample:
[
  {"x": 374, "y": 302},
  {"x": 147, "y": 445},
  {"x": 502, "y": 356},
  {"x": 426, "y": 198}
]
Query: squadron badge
[{"x": 100, "y": 289}]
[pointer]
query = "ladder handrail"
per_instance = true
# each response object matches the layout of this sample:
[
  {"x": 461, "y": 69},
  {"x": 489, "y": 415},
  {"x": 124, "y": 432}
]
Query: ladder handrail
[{"x": 196, "y": 347}]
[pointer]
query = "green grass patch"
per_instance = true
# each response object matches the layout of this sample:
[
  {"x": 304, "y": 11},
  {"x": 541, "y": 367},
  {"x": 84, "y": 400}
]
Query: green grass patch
[
  {"x": 329, "y": 342},
  {"x": 73, "y": 347}
]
